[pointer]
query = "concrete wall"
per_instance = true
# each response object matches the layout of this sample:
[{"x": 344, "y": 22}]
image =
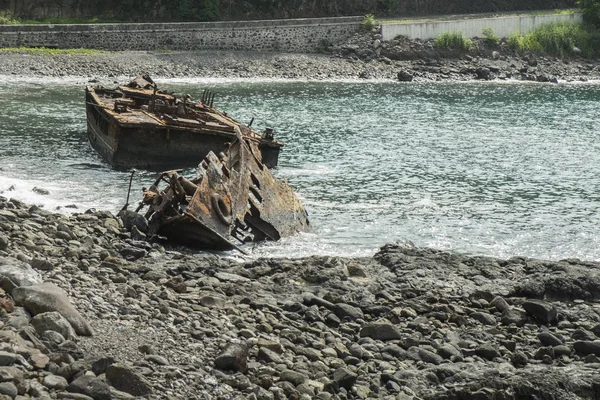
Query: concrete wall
[
  {"x": 502, "y": 26},
  {"x": 295, "y": 35}
]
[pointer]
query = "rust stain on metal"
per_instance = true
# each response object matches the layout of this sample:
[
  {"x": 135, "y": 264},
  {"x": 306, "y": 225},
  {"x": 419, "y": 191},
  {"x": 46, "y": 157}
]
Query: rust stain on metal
[{"x": 234, "y": 198}]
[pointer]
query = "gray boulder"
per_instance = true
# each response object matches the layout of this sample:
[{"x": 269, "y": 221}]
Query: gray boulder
[
  {"x": 53, "y": 321},
  {"x": 513, "y": 316},
  {"x": 233, "y": 357},
  {"x": 55, "y": 382},
  {"x": 405, "y": 76},
  {"x": 346, "y": 310},
  {"x": 125, "y": 379},
  {"x": 549, "y": 339},
  {"x": 47, "y": 297},
  {"x": 541, "y": 310},
  {"x": 448, "y": 351},
  {"x": 131, "y": 219},
  {"x": 487, "y": 351},
  {"x": 19, "y": 272},
  {"x": 586, "y": 347},
  {"x": 380, "y": 331},
  {"x": 345, "y": 378},
  {"x": 9, "y": 389},
  {"x": 43, "y": 265},
  {"x": 91, "y": 386},
  {"x": 500, "y": 304},
  {"x": 4, "y": 242},
  {"x": 294, "y": 377},
  {"x": 484, "y": 73}
]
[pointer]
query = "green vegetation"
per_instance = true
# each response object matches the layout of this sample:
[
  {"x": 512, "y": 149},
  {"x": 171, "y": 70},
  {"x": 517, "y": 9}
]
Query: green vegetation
[
  {"x": 48, "y": 51},
  {"x": 193, "y": 10},
  {"x": 60, "y": 21},
  {"x": 522, "y": 43},
  {"x": 453, "y": 41},
  {"x": 6, "y": 18},
  {"x": 591, "y": 11},
  {"x": 490, "y": 37},
  {"x": 565, "y": 11},
  {"x": 558, "y": 39},
  {"x": 369, "y": 22},
  {"x": 559, "y": 11}
]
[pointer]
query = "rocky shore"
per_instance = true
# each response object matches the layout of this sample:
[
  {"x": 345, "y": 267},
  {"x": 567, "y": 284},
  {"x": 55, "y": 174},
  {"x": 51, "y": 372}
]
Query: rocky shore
[
  {"x": 88, "y": 312},
  {"x": 362, "y": 57}
]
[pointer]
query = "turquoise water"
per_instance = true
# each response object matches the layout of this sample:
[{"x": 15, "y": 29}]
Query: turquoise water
[{"x": 485, "y": 168}]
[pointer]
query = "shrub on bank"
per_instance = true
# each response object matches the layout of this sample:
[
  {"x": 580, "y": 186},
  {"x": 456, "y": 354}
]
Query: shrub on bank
[
  {"x": 591, "y": 11},
  {"x": 369, "y": 22},
  {"x": 6, "y": 18},
  {"x": 490, "y": 37},
  {"x": 559, "y": 39},
  {"x": 453, "y": 41}
]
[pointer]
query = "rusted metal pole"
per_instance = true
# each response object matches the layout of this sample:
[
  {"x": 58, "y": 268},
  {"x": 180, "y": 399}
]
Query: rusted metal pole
[
  {"x": 133, "y": 171},
  {"x": 188, "y": 186},
  {"x": 153, "y": 100}
]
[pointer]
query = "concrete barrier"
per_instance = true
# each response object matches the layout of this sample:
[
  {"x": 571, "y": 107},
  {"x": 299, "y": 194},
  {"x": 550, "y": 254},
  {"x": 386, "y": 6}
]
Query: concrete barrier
[
  {"x": 291, "y": 35},
  {"x": 473, "y": 27}
]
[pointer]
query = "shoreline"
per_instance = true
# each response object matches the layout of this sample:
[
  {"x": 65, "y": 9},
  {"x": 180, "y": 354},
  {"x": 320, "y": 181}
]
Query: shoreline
[
  {"x": 345, "y": 64},
  {"x": 82, "y": 80}
]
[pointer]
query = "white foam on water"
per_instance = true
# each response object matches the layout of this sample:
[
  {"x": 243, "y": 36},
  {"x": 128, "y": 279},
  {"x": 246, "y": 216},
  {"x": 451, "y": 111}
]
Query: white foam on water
[
  {"x": 59, "y": 194},
  {"x": 43, "y": 80},
  {"x": 306, "y": 244}
]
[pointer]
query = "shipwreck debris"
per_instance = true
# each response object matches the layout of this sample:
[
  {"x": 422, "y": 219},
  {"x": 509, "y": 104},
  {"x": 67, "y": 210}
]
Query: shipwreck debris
[
  {"x": 234, "y": 199},
  {"x": 140, "y": 126}
]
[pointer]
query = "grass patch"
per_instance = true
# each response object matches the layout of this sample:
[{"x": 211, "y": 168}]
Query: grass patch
[
  {"x": 48, "y": 51},
  {"x": 565, "y": 11},
  {"x": 453, "y": 41},
  {"x": 558, "y": 39},
  {"x": 558, "y": 11}
]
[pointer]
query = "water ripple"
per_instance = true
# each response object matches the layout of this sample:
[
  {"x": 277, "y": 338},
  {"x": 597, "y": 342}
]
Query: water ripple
[{"x": 490, "y": 169}]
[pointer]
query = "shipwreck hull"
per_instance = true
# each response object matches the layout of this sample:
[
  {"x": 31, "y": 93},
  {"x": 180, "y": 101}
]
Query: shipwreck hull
[
  {"x": 186, "y": 231},
  {"x": 144, "y": 140},
  {"x": 233, "y": 199}
]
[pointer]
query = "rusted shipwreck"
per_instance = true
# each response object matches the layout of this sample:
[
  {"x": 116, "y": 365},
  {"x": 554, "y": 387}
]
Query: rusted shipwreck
[
  {"x": 139, "y": 126},
  {"x": 234, "y": 199}
]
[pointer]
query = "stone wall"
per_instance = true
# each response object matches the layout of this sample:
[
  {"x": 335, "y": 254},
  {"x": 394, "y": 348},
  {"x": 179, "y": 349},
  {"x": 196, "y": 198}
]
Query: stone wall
[
  {"x": 473, "y": 27},
  {"x": 294, "y": 36}
]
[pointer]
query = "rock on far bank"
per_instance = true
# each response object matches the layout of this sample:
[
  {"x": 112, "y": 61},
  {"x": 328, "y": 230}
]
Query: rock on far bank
[{"x": 363, "y": 57}]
